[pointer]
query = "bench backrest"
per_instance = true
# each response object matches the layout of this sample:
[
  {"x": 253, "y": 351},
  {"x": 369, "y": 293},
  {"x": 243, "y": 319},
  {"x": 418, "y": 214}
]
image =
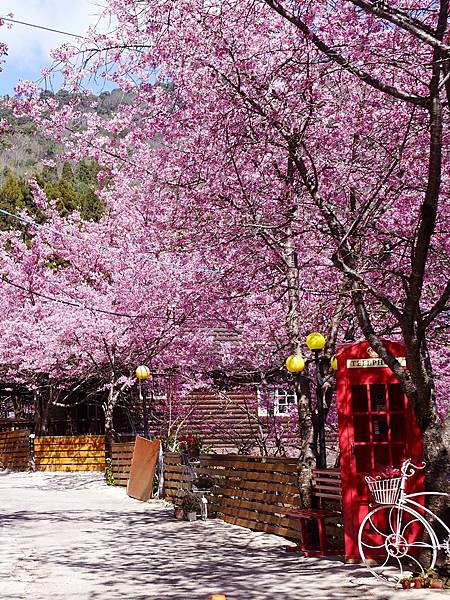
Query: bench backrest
[{"x": 326, "y": 486}]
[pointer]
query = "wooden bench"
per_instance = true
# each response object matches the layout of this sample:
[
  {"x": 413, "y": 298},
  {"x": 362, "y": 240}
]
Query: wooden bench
[{"x": 326, "y": 490}]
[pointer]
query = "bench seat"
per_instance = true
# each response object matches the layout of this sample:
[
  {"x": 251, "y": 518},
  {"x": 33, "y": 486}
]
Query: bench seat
[
  {"x": 313, "y": 513},
  {"x": 326, "y": 486}
]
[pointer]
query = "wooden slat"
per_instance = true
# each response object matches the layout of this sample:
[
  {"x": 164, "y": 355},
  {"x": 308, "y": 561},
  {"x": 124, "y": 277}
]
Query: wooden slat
[
  {"x": 68, "y": 453},
  {"x": 68, "y": 468},
  {"x": 12, "y": 442},
  {"x": 242, "y": 463},
  {"x": 250, "y": 475},
  {"x": 128, "y": 444},
  {"x": 64, "y": 438},
  {"x": 70, "y": 460},
  {"x": 276, "y": 530},
  {"x": 251, "y": 518},
  {"x": 259, "y": 510},
  {"x": 227, "y": 487},
  {"x": 326, "y": 472},
  {"x": 70, "y": 445},
  {"x": 286, "y": 496}
]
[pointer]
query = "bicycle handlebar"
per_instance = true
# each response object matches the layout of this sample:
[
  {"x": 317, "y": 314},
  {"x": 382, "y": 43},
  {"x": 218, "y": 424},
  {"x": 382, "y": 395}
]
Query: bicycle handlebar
[{"x": 408, "y": 468}]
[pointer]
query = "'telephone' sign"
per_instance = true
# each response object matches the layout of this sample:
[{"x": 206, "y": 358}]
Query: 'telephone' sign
[{"x": 365, "y": 363}]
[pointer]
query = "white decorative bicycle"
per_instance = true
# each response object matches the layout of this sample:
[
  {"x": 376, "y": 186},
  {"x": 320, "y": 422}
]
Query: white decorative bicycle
[{"x": 397, "y": 538}]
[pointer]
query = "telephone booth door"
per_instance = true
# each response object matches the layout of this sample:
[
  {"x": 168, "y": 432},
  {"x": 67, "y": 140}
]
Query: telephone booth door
[{"x": 377, "y": 428}]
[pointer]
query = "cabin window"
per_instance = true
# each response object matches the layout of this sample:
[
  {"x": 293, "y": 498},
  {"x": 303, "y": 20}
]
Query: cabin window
[{"x": 275, "y": 401}]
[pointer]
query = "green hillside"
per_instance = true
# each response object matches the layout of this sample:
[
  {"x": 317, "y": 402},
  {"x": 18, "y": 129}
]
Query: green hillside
[{"x": 23, "y": 152}]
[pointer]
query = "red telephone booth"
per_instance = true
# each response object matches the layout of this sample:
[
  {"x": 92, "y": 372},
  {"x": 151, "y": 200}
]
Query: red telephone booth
[{"x": 377, "y": 429}]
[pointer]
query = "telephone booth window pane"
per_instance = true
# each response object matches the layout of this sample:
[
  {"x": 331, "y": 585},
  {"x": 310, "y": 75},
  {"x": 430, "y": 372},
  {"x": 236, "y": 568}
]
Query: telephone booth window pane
[
  {"x": 359, "y": 398},
  {"x": 396, "y": 397},
  {"x": 379, "y": 428},
  {"x": 398, "y": 454},
  {"x": 363, "y": 459},
  {"x": 398, "y": 428},
  {"x": 377, "y": 398},
  {"x": 361, "y": 428},
  {"x": 381, "y": 457}
]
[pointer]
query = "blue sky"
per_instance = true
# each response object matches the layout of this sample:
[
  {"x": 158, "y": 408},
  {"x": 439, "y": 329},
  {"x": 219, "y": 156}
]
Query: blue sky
[{"x": 29, "y": 47}]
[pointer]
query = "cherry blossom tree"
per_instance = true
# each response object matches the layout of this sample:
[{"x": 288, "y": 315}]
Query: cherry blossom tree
[
  {"x": 80, "y": 311},
  {"x": 284, "y": 162},
  {"x": 399, "y": 57}
]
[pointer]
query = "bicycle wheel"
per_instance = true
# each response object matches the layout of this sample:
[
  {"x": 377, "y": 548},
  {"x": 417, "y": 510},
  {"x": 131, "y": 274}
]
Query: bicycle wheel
[{"x": 395, "y": 542}]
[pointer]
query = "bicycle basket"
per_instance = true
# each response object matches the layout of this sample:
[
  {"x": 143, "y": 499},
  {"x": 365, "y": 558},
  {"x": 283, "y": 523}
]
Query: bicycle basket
[{"x": 384, "y": 491}]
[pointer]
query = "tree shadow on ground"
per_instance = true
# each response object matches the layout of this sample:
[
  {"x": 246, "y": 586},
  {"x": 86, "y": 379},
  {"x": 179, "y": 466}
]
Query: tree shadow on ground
[
  {"x": 45, "y": 481},
  {"x": 139, "y": 551}
]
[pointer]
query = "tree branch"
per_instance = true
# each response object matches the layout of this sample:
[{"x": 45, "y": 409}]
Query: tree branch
[
  {"x": 404, "y": 21},
  {"x": 438, "y": 307},
  {"x": 344, "y": 62}
]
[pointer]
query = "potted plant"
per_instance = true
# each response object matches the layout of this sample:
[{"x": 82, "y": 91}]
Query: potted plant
[
  {"x": 190, "y": 445},
  {"x": 202, "y": 482},
  {"x": 430, "y": 579},
  {"x": 190, "y": 507},
  {"x": 178, "y": 511},
  {"x": 406, "y": 583}
]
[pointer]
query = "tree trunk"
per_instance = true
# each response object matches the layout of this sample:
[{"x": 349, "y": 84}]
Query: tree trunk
[
  {"x": 109, "y": 410},
  {"x": 437, "y": 443},
  {"x": 307, "y": 455},
  {"x": 42, "y": 410}
]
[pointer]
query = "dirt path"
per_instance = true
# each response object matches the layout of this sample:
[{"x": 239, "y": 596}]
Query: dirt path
[{"x": 68, "y": 536}]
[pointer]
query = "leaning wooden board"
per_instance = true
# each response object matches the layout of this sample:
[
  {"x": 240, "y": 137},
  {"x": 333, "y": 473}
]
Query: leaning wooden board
[{"x": 143, "y": 468}]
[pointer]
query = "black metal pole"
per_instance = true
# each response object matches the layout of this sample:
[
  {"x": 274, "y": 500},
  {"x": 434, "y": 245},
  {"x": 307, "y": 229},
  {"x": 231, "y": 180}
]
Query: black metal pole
[
  {"x": 322, "y": 462},
  {"x": 143, "y": 398}
]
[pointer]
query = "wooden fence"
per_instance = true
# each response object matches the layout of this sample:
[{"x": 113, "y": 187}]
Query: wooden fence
[
  {"x": 251, "y": 491},
  {"x": 177, "y": 478},
  {"x": 15, "y": 450},
  {"x": 255, "y": 492},
  {"x": 121, "y": 455},
  {"x": 61, "y": 453}
]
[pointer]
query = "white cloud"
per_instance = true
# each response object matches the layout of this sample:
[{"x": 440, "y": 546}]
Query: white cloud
[{"x": 29, "y": 47}]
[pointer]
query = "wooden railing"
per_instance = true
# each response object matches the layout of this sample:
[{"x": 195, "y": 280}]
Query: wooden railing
[
  {"x": 77, "y": 453},
  {"x": 15, "y": 450}
]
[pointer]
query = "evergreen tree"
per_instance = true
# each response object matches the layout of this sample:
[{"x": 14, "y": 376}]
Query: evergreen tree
[
  {"x": 67, "y": 173},
  {"x": 15, "y": 196}
]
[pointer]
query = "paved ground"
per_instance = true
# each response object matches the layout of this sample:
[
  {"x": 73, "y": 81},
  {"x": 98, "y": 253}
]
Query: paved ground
[{"x": 68, "y": 536}]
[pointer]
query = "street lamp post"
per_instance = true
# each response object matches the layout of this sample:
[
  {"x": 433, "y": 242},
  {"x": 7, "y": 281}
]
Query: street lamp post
[
  {"x": 143, "y": 373},
  {"x": 316, "y": 343},
  {"x": 295, "y": 364}
]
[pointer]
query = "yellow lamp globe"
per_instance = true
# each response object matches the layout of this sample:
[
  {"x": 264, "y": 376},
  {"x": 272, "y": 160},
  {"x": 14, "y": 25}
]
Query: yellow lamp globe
[
  {"x": 315, "y": 341},
  {"x": 295, "y": 363},
  {"x": 142, "y": 372},
  {"x": 333, "y": 362}
]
